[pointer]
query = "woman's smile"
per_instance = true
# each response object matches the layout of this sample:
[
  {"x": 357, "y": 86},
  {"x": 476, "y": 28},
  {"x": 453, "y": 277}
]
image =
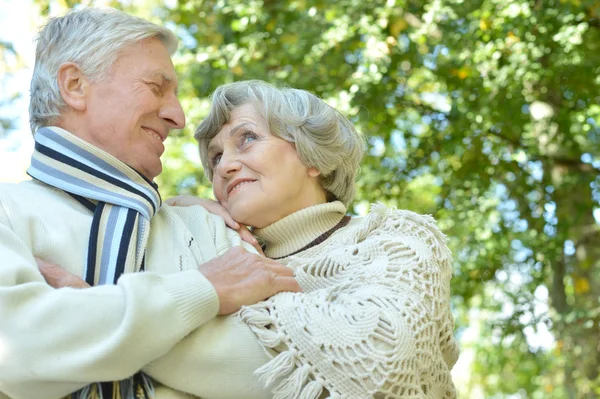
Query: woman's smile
[{"x": 235, "y": 187}]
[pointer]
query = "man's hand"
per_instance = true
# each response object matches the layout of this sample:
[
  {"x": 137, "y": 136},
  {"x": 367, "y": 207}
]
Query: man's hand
[
  {"x": 239, "y": 277},
  {"x": 243, "y": 278},
  {"x": 58, "y": 277},
  {"x": 216, "y": 208}
]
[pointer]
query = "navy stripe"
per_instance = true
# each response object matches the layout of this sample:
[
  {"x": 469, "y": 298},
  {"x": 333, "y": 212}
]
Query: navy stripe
[
  {"x": 125, "y": 240},
  {"x": 83, "y": 153},
  {"x": 70, "y": 183},
  {"x": 49, "y": 152},
  {"x": 93, "y": 245},
  {"x": 107, "y": 389},
  {"x": 75, "y": 148},
  {"x": 84, "y": 201},
  {"x": 139, "y": 380}
]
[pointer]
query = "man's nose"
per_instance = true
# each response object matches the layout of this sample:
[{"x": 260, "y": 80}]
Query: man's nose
[{"x": 172, "y": 112}]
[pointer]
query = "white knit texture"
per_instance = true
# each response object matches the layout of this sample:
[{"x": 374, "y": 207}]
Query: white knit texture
[{"x": 374, "y": 319}]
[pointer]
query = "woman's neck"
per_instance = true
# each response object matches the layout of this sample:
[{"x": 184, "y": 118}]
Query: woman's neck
[{"x": 301, "y": 228}]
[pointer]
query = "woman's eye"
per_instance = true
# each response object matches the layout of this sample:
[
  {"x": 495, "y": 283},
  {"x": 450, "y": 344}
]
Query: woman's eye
[
  {"x": 248, "y": 137},
  {"x": 215, "y": 160}
]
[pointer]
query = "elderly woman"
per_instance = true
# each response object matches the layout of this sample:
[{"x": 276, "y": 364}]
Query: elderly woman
[{"x": 374, "y": 319}]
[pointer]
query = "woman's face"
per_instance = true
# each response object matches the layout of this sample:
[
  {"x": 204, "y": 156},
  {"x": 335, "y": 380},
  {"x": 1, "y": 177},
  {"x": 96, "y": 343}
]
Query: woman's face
[{"x": 258, "y": 177}]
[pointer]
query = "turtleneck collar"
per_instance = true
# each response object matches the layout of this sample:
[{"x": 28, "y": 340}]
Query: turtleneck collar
[{"x": 299, "y": 229}]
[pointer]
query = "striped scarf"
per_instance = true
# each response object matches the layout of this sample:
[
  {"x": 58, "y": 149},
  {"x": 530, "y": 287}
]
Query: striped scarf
[{"x": 123, "y": 202}]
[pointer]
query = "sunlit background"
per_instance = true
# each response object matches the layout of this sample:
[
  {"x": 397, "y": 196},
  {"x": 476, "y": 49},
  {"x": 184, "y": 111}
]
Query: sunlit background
[{"x": 483, "y": 113}]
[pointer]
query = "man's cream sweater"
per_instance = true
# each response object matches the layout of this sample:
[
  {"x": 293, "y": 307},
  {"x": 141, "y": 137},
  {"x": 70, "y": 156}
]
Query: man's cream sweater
[{"x": 53, "y": 342}]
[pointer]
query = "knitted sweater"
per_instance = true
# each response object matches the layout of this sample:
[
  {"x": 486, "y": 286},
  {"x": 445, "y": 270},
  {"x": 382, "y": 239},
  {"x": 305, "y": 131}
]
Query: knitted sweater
[
  {"x": 53, "y": 342},
  {"x": 374, "y": 319}
]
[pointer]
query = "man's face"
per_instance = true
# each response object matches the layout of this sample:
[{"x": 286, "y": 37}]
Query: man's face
[{"x": 132, "y": 110}]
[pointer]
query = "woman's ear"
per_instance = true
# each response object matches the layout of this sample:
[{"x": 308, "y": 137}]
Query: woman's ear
[
  {"x": 73, "y": 86},
  {"x": 313, "y": 172}
]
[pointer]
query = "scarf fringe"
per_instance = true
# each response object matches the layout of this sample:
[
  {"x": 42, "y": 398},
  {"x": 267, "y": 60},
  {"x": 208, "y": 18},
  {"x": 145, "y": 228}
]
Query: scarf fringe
[{"x": 137, "y": 387}]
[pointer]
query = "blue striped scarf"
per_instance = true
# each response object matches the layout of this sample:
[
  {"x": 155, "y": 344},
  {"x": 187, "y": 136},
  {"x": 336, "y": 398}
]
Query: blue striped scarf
[{"x": 123, "y": 202}]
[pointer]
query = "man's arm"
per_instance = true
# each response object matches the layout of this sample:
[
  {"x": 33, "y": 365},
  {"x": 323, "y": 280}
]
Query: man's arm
[{"x": 53, "y": 342}]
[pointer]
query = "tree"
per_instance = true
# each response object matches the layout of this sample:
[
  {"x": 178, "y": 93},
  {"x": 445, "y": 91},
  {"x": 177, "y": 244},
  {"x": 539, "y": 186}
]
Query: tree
[
  {"x": 484, "y": 113},
  {"x": 6, "y": 51}
]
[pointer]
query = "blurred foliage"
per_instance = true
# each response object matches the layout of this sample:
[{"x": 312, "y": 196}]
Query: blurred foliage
[
  {"x": 484, "y": 113},
  {"x": 7, "y": 52}
]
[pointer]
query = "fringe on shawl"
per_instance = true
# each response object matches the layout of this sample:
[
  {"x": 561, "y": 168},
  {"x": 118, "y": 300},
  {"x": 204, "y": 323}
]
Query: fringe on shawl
[
  {"x": 296, "y": 379},
  {"x": 137, "y": 387}
]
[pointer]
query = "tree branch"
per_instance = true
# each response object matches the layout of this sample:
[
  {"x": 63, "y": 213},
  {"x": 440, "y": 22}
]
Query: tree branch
[{"x": 573, "y": 164}]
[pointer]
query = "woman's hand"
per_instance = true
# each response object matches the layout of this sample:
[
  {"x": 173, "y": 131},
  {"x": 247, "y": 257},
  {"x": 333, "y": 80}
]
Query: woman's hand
[
  {"x": 58, "y": 277},
  {"x": 217, "y": 209}
]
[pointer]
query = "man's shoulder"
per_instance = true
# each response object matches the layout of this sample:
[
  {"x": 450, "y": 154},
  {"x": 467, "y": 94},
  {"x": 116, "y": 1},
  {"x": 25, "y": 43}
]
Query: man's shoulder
[
  {"x": 28, "y": 189},
  {"x": 31, "y": 198},
  {"x": 187, "y": 213},
  {"x": 192, "y": 217}
]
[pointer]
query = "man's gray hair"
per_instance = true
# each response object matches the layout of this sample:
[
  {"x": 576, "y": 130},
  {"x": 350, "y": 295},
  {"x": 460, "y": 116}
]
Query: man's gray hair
[
  {"x": 323, "y": 138},
  {"x": 92, "y": 38}
]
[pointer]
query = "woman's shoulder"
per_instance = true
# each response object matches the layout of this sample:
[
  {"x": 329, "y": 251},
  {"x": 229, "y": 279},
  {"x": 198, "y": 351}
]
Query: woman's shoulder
[
  {"x": 382, "y": 218},
  {"x": 392, "y": 226}
]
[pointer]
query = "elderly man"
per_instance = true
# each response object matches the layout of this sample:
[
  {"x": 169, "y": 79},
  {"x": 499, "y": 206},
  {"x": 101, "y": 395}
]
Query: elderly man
[{"x": 103, "y": 100}]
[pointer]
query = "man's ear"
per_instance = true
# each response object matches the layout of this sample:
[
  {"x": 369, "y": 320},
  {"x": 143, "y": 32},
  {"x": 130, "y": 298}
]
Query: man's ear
[{"x": 73, "y": 86}]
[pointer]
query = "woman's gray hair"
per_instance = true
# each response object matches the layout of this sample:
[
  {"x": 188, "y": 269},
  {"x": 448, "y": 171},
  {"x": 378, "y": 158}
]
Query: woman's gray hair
[
  {"x": 323, "y": 138},
  {"x": 92, "y": 38}
]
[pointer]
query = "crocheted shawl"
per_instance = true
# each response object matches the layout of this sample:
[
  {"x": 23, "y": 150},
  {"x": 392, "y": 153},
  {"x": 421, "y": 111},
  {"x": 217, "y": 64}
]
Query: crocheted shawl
[{"x": 374, "y": 319}]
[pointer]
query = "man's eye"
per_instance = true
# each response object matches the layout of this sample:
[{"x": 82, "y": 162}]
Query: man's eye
[{"x": 156, "y": 89}]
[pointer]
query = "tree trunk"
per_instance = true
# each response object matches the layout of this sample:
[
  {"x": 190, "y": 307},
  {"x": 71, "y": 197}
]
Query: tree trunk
[{"x": 576, "y": 282}]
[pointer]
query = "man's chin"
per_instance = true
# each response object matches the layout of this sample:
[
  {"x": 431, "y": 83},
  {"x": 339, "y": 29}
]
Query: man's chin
[{"x": 151, "y": 174}]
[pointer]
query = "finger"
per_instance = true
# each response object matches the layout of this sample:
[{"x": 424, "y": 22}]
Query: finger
[
  {"x": 227, "y": 218},
  {"x": 73, "y": 281},
  {"x": 171, "y": 201},
  {"x": 41, "y": 262},
  {"x": 247, "y": 236},
  {"x": 289, "y": 284},
  {"x": 47, "y": 269},
  {"x": 259, "y": 250},
  {"x": 284, "y": 271},
  {"x": 50, "y": 273}
]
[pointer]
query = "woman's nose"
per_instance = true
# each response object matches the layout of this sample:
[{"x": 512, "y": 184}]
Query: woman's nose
[{"x": 228, "y": 164}]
